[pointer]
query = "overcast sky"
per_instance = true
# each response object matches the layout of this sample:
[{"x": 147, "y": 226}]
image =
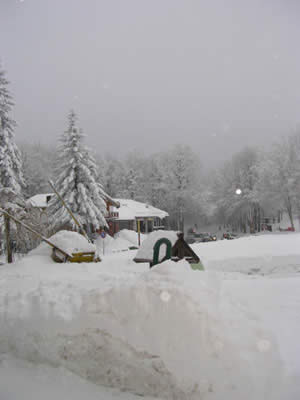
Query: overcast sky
[{"x": 144, "y": 74}]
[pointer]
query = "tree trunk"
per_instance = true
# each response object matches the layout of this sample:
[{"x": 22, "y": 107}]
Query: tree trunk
[
  {"x": 290, "y": 211},
  {"x": 7, "y": 238},
  {"x": 180, "y": 215},
  {"x": 291, "y": 218},
  {"x": 244, "y": 224},
  {"x": 182, "y": 223},
  {"x": 180, "y": 220},
  {"x": 255, "y": 219}
]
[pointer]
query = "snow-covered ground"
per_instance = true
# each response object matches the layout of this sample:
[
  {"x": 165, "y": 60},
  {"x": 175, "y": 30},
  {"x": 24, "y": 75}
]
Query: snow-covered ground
[
  {"x": 25, "y": 380},
  {"x": 231, "y": 332},
  {"x": 262, "y": 254}
]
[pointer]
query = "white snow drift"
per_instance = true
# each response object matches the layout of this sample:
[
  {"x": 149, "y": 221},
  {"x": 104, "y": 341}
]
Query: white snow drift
[
  {"x": 261, "y": 254},
  {"x": 169, "y": 332}
]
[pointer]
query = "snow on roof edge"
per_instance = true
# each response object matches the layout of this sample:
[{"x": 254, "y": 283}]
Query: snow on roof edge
[
  {"x": 39, "y": 200},
  {"x": 132, "y": 209}
]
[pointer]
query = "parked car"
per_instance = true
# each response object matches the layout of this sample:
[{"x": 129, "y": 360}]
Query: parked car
[
  {"x": 229, "y": 235},
  {"x": 200, "y": 237}
]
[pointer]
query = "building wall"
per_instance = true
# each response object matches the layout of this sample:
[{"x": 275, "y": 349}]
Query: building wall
[
  {"x": 285, "y": 222},
  {"x": 153, "y": 224}
]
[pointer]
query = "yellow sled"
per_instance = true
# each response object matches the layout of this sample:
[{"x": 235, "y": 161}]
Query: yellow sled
[{"x": 83, "y": 257}]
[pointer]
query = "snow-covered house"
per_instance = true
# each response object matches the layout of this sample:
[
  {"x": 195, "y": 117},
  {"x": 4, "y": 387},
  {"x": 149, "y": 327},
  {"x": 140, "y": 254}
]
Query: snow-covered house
[
  {"x": 40, "y": 201},
  {"x": 279, "y": 221},
  {"x": 283, "y": 222},
  {"x": 121, "y": 213},
  {"x": 39, "y": 204},
  {"x": 137, "y": 216}
]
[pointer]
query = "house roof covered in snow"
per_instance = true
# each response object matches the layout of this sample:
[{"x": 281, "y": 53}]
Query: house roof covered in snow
[
  {"x": 40, "y": 200},
  {"x": 131, "y": 209}
]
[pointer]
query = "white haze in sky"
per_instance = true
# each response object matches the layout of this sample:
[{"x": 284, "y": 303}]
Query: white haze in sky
[{"x": 144, "y": 74}]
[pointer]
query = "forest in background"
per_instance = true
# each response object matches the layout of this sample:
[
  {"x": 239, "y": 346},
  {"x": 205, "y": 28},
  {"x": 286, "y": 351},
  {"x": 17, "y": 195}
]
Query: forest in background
[{"x": 177, "y": 182}]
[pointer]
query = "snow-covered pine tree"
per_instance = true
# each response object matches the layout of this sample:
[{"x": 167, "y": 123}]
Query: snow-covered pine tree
[
  {"x": 77, "y": 182},
  {"x": 11, "y": 175}
]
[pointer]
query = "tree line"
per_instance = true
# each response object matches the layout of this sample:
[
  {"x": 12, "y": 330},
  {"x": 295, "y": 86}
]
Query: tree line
[{"x": 175, "y": 181}]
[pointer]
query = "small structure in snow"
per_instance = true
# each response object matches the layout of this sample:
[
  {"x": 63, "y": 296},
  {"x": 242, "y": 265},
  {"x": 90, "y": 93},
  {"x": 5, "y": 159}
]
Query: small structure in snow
[
  {"x": 145, "y": 252},
  {"x": 180, "y": 249}
]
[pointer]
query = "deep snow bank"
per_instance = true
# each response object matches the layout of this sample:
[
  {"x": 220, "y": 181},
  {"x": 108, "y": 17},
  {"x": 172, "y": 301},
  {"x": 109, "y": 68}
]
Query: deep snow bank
[
  {"x": 261, "y": 254},
  {"x": 167, "y": 332}
]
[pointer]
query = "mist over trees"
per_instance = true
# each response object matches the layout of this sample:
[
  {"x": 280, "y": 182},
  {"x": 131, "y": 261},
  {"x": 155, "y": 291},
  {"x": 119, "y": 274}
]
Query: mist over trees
[
  {"x": 38, "y": 166},
  {"x": 176, "y": 181},
  {"x": 269, "y": 182}
]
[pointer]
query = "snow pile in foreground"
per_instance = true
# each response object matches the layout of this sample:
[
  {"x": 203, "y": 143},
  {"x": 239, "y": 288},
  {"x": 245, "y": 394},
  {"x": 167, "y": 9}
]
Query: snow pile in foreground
[
  {"x": 163, "y": 332},
  {"x": 262, "y": 254},
  {"x": 71, "y": 242},
  {"x": 28, "y": 381}
]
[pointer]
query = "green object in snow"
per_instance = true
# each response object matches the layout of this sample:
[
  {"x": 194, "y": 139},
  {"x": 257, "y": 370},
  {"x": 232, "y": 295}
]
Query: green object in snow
[
  {"x": 197, "y": 266},
  {"x": 156, "y": 251}
]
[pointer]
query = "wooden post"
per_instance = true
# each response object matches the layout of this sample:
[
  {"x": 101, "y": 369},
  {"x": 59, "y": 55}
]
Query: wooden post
[
  {"x": 7, "y": 238},
  {"x": 146, "y": 225},
  {"x": 139, "y": 231}
]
